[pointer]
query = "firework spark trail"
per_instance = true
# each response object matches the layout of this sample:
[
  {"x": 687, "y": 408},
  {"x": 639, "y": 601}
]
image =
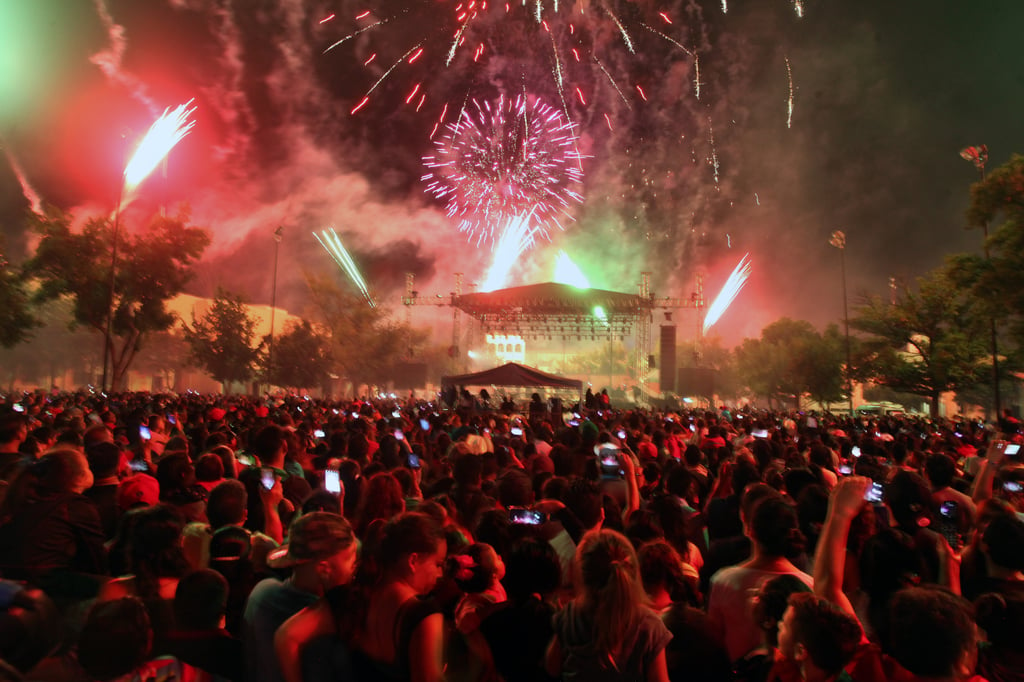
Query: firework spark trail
[
  {"x": 163, "y": 135},
  {"x": 567, "y": 272},
  {"x": 515, "y": 157},
  {"x": 622, "y": 29},
  {"x": 667, "y": 38},
  {"x": 612, "y": 81},
  {"x": 789, "y": 106},
  {"x": 725, "y": 6},
  {"x": 696, "y": 75},
  {"x": 714, "y": 151},
  {"x": 732, "y": 287},
  {"x": 516, "y": 237},
  {"x": 331, "y": 242},
  {"x": 798, "y": 7},
  {"x": 356, "y": 33}
]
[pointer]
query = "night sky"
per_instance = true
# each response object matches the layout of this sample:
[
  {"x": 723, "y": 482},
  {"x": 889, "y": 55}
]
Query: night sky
[{"x": 885, "y": 94}]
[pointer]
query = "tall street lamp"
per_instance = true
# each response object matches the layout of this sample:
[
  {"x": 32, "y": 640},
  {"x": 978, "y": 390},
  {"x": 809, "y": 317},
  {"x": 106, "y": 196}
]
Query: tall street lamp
[
  {"x": 979, "y": 157},
  {"x": 273, "y": 299},
  {"x": 162, "y": 136},
  {"x": 838, "y": 240}
]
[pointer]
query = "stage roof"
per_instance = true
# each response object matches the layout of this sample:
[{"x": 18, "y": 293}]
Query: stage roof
[{"x": 548, "y": 299}]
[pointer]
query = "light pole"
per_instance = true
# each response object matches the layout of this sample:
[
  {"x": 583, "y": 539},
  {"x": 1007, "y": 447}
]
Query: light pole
[
  {"x": 838, "y": 240},
  {"x": 108, "y": 350},
  {"x": 979, "y": 157},
  {"x": 273, "y": 300}
]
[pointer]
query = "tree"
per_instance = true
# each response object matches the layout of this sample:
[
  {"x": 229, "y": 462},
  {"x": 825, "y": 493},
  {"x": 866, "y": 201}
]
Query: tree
[
  {"x": 821, "y": 366},
  {"x": 221, "y": 340},
  {"x": 54, "y": 348},
  {"x": 996, "y": 282},
  {"x": 16, "y": 318},
  {"x": 301, "y": 356},
  {"x": 928, "y": 343},
  {"x": 365, "y": 344},
  {"x": 153, "y": 266},
  {"x": 164, "y": 354},
  {"x": 792, "y": 359}
]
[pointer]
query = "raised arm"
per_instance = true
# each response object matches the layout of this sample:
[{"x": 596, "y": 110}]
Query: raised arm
[
  {"x": 989, "y": 468},
  {"x": 845, "y": 503}
]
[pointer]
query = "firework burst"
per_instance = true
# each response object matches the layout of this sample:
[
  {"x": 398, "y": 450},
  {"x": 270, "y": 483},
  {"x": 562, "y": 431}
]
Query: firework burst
[{"x": 515, "y": 157}]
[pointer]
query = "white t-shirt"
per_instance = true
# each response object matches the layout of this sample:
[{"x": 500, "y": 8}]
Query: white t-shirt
[{"x": 730, "y": 606}]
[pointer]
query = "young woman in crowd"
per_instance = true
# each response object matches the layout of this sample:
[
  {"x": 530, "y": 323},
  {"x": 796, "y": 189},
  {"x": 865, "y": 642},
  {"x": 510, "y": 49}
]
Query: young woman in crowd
[{"x": 607, "y": 631}]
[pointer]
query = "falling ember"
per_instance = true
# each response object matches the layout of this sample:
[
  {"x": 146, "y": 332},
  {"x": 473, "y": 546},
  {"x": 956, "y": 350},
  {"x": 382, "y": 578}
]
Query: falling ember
[
  {"x": 664, "y": 17},
  {"x": 167, "y": 131},
  {"x": 643, "y": 95},
  {"x": 331, "y": 242},
  {"x": 789, "y": 106},
  {"x": 608, "y": 121},
  {"x": 360, "y": 105},
  {"x": 730, "y": 290},
  {"x": 798, "y": 7},
  {"x": 326, "y": 19},
  {"x": 725, "y": 6},
  {"x": 579, "y": 94}
]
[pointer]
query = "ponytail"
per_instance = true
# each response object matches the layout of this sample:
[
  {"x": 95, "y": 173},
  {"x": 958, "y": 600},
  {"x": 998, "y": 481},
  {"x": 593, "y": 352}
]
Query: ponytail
[{"x": 610, "y": 587}]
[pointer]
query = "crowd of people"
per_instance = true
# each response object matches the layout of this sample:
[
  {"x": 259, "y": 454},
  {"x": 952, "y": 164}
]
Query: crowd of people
[{"x": 287, "y": 539}]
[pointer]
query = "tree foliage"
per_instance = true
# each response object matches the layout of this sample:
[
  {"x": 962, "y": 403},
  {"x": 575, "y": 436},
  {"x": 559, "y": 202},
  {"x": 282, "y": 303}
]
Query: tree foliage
[
  {"x": 996, "y": 282},
  {"x": 16, "y": 318},
  {"x": 928, "y": 343},
  {"x": 153, "y": 266},
  {"x": 792, "y": 359},
  {"x": 54, "y": 348},
  {"x": 222, "y": 339},
  {"x": 301, "y": 356},
  {"x": 365, "y": 344}
]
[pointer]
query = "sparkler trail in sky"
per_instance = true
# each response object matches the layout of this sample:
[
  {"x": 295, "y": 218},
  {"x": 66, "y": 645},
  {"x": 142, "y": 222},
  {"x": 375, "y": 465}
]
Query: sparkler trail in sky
[
  {"x": 331, "y": 242},
  {"x": 163, "y": 135},
  {"x": 511, "y": 158},
  {"x": 732, "y": 287}
]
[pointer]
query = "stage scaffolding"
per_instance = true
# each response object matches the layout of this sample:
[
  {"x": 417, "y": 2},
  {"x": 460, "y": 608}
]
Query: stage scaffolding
[{"x": 563, "y": 312}]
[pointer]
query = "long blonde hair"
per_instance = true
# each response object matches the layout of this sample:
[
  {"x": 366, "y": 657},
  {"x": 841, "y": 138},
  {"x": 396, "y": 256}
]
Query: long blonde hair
[{"x": 608, "y": 587}]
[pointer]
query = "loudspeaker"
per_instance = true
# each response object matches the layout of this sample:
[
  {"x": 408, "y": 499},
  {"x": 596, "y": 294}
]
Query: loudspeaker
[
  {"x": 667, "y": 350},
  {"x": 696, "y": 381}
]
